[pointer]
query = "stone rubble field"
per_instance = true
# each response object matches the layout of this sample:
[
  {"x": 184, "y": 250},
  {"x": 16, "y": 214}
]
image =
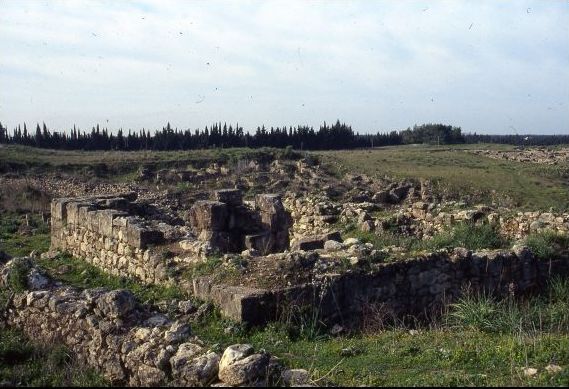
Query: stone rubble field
[{"x": 252, "y": 240}]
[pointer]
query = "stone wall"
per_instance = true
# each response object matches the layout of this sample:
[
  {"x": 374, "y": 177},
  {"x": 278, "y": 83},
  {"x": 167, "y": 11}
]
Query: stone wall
[
  {"x": 230, "y": 225},
  {"x": 417, "y": 287},
  {"x": 429, "y": 219},
  {"x": 423, "y": 285},
  {"x": 127, "y": 342},
  {"x": 103, "y": 232},
  {"x": 108, "y": 232}
]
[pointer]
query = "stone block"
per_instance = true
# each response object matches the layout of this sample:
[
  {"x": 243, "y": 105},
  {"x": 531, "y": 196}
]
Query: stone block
[
  {"x": 333, "y": 235},
  {"x": 262, "y": 242},
  {"x": 140, "y": 236},
  {"x": 82, "y": 213},
  {"x": 92, "y": 221},
  {"x": 309, "y": 243},
  {"x": 106, "y": 221},
  {"x": 244, "y": 219},
  {"x": 274, "y": 216},
  {"x": 118, "y": 203},
  {"x": 231, "y": 197},
  {"x": 219, "y": 240},
  {"x": 209, "y": 215},
  {"x": 72, "y": 213},
  {"x": 59, "y": 211}
]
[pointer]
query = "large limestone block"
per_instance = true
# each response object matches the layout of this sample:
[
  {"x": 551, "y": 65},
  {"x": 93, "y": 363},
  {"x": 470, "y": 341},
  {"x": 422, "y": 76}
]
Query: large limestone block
[
  {"x": 244, "y": 219},
  {"x": 231, "y": 197},
  {"x": 92, "y": 221},
  {"x": 274, "y": 216},
  {"x": 140, "y": 236},
  {"x": 219, "y": 241},
  {"x": 59, "y": 211},
  {"x": 209, "y": 215},
  {"x": 239, "y": 365},
  {"x": 309, "y": 243},
  {"x": 106, "y": 218},
  {"x": 83, "y": 210},
  {"x": 262, "y": 242},
  {"x": 72, "y": 209}
]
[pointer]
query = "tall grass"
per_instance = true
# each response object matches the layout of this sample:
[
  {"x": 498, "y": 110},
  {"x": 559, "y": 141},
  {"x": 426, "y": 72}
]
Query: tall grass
[
  {"x": 468, "y": 235},
  {"x": 546, "y": 244},
  {"x": 24, "y": 363},
  {"x": 545, "y": 313}
]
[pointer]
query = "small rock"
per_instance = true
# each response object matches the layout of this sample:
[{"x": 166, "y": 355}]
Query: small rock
[
  {"x": 36, "y": 280},
  {"x": 116, "y": 303},
  {"x": 351, "y": 241},
  {"x": 349, "y": 352},
  {"x": 553, "y": 369},
  {"x": 332, "y": 245},
  {"x": 295, "y": 377},
  {"x": 186, "y": 306},
  {"x": 240, "y": 366},
  {"x": 529, "y": 371},
  {"x": 177, "y": 333},
  {"x": 336, "y": 330}
]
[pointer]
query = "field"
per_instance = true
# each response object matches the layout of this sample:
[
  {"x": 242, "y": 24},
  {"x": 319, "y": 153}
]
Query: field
[
  {"x": 477, "y": 342},
  {"x": 459, "y": 173}
]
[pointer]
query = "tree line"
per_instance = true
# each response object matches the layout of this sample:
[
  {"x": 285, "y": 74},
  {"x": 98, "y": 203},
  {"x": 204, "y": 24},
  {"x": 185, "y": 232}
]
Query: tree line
[{"x": 326, "y": 137}]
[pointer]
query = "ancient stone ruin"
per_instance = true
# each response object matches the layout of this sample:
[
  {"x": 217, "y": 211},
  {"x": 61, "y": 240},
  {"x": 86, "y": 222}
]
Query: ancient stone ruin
[
  {"x": 128, "y": 342},
  {"x": 118, "y": 235},
  {"x": 106, "y": 232},
  {"x": 230, "y": 225}
]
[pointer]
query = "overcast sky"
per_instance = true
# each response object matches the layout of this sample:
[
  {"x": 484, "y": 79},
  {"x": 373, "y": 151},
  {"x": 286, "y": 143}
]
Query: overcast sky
[{"x": 490, "y": 67}]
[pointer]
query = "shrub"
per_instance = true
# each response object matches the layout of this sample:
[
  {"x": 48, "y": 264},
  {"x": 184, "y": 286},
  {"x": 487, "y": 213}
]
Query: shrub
[
  {"x": 470, "y": 236},
  {"x": 546, "y": 313},
  {"x": 474, "y": 311},
  {"x": 546, "y": 244},
  {"x": 17, "y": 278}
]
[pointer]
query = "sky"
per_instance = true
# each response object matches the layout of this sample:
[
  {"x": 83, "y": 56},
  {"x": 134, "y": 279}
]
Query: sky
[{"x": 495, "y": 67}]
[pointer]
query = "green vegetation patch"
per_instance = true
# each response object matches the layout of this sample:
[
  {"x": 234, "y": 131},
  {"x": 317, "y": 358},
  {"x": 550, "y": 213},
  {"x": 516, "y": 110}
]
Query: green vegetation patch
[
  {"x": 470, "y": 236},
  {"x": 79, "y": 273},
  {"x": 23, "y": 363},
  {"x": 548, "y": 313},
  {"x": 18, "y": 239},
  {"x": 462, "y": 175},
  {"x": 547, "y": 244},
  {"x": 467, "y": 235}
]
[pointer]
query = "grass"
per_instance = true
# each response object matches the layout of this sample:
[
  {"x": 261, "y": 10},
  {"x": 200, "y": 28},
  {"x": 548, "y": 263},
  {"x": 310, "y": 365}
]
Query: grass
[
  {"x": 23, "y": 363},
  {"x": 549, "y": 313},
  {"x": 467, "y": 235},
  {"x": 472, "y": 237},
  {"x": 17, "y": 244},
  {"x": 125, "y": 163},
  {"x": 462, "y": 175},
  {"x": 480, "y": 341},
  {"x": 546, "y": 244},
  {"x": 78, "y": 273}
]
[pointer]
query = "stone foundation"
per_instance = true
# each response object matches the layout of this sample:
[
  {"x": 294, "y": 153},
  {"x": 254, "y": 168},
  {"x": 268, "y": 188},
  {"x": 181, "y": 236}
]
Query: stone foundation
[
  {"x": 127, "y": 342},
  {"x": 232, "y": 226},
  {"x": 102, "y": 231},
  {"x": 416, "y": 287}
]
